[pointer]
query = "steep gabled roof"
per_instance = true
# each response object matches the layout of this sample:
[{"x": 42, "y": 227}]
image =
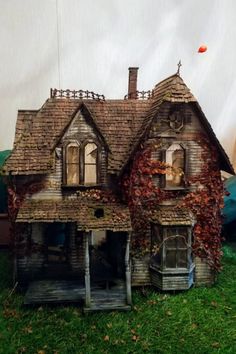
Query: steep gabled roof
[
  {"x": 122, "y": 124},
  {"x": 117, "y": 120},
  {"x": 173, "y": 89}
]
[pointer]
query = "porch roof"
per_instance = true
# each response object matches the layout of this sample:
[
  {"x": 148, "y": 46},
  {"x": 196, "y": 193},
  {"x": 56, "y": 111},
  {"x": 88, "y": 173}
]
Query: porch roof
[
  {"x": 172, "y": 216},
  {"x": 113, "y": 216}
]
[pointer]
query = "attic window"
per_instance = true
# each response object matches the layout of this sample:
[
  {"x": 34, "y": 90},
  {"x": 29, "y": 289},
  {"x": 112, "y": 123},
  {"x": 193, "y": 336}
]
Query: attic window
[
  {"x": 175, "y": 158},
  {"x": 99, "y": 213}
]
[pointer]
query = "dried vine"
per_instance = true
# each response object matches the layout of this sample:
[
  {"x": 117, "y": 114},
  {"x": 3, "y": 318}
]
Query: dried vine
[
  {"x": 143, "y": 197},
  {"x": 206, "y": 204}
]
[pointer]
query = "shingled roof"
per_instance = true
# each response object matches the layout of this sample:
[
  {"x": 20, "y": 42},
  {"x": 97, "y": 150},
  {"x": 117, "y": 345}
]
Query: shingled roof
[
  {"x": 172, "y": 216},
  {"x": 122, "y": 123},
  {"x": 38, "y": 133},
  {"x": 116, "y": 216}
]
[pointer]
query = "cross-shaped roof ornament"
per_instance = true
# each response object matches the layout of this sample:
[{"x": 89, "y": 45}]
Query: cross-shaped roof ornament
[{"x": 179, "y": 65}]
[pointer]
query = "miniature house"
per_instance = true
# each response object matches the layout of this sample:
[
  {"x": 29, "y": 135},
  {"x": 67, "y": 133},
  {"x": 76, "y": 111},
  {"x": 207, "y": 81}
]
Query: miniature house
[{"x": 76, "y": 199}]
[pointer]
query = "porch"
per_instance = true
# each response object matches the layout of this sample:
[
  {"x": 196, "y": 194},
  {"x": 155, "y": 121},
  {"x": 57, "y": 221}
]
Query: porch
[{"x": 111, "y": 297}]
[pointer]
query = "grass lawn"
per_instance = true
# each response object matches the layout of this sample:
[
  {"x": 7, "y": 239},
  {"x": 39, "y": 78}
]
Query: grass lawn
[{"x": 201, "y": 320}]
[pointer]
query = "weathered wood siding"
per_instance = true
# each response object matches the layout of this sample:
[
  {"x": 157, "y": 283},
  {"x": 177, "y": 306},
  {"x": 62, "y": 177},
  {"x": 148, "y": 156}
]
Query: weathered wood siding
[
  {"x": 168, "y": 281},
  {"x": 79, "y": 130},
  {"x": 161, "y": 135},
  {"x": 140, "y": 274},
  {"x": 204, "y": 275},
  {"x": 77, "y": 251},
  {"x": 30, "y": 264}
]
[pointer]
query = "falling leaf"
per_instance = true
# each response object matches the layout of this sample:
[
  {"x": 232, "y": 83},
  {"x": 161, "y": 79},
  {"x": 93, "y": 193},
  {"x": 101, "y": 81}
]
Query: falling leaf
[{"x": 202, "y": 49}]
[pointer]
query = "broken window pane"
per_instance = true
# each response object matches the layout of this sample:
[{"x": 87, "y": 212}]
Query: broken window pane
[
  {"x": 90, "y": 163},
  {"x": 175, "y": 158},
  {"x": 72, "y": 164}
]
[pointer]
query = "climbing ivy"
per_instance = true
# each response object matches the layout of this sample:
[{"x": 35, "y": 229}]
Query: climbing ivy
[{"x": 204, "y": 201}]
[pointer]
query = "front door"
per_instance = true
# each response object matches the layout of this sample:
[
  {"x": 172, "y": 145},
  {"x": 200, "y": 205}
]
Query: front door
[{"x": 107, "y": 257}]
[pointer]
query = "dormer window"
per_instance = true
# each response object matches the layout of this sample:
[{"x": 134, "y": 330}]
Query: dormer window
[
  {"x": 90, "y": 163},
  {"x": 72, "y": 164},
  {"x": 80, "y": 161}
]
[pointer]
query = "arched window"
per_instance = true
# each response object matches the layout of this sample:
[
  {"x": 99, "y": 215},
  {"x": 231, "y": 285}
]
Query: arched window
[
  {"x": 175, "y": 158},
  {"x": 72, "y": 164},
  {"x": 90, "y": 163}
]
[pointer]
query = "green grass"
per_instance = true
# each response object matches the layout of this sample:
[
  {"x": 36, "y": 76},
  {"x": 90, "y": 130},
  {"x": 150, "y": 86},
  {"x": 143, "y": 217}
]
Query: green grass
[{"x": 201, "y": 320}]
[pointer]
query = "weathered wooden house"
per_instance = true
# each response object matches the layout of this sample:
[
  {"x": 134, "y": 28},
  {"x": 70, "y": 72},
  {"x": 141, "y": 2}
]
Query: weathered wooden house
[{"x": 100, "y": 194}]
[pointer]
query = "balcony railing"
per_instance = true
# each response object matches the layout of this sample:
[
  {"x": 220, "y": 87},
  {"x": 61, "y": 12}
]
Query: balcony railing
[
  {"x": 140, "y": 95},
  {"x": 80, "y": 94}
]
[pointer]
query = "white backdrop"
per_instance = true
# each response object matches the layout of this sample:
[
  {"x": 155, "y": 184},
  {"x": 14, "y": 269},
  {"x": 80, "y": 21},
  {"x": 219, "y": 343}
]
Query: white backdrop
[{"x": 88, "y": 44}]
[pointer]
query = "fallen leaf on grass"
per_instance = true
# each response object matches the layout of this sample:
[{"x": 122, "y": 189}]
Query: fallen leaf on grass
[
  {"x": 41, "y": 352},
  {"x": 151, "y": 302},
  {"x": 135, "y": 338},
  {"x": 106, "y": 338},
  {"x": 214, "y": 304},
  {"x": 194, "y": 326},
  {"x": 215, "y": 345},
  {"x": 169, "y": 313},
  {"x": 28, "y": 330},
  {"x": 109, "y": 325}
]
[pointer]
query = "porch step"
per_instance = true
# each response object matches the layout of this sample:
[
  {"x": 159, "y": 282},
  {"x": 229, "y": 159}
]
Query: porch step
[{"x": 107, "y": 307}]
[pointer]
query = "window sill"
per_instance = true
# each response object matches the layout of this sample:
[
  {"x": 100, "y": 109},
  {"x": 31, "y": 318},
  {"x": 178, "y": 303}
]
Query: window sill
[
  {"x": 80, "y": 186},
  {"x": 173, "y": 270},
  {"x": 175, "y": 188}
]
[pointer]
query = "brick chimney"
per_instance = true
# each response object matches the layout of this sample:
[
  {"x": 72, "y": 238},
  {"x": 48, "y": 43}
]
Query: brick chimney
[{"x": 132, "y": 87}]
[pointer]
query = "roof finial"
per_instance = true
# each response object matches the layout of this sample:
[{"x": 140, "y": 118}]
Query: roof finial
[{"x": 179, "y": 65}]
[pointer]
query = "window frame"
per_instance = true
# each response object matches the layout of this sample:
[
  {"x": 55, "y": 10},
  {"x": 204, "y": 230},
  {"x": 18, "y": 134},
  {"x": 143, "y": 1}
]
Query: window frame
[
  {"x": 65, "y": 162},
  {"x": 81, "y": 149},
  {"x": 163, "y": 158},
  {"x": 84, "y": 163},
  {"x": 162, "y": 231}
]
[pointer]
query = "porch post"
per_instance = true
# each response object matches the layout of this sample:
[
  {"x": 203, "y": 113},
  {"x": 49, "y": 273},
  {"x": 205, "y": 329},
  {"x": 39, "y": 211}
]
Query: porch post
[
  {"x": 127, "y": 269},
  {"x": 87, "y": 271}
]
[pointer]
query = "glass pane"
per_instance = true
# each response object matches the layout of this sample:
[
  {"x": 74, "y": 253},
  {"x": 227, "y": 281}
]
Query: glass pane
[
  {"x": 182, "y": 241},
  {"x": 182, "y": 259},
  {"x": 90, "y": 174},
  {"x": 72, "y": 174},
  {"x": 171, "y": 242},
  {"x": 175, "y": 158},
  {"x": 90, "y": 153},
  {"x": 72, "y": 154},
  {"x": 98, "y": 237},
  {"x": 170, "y": 259}
]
